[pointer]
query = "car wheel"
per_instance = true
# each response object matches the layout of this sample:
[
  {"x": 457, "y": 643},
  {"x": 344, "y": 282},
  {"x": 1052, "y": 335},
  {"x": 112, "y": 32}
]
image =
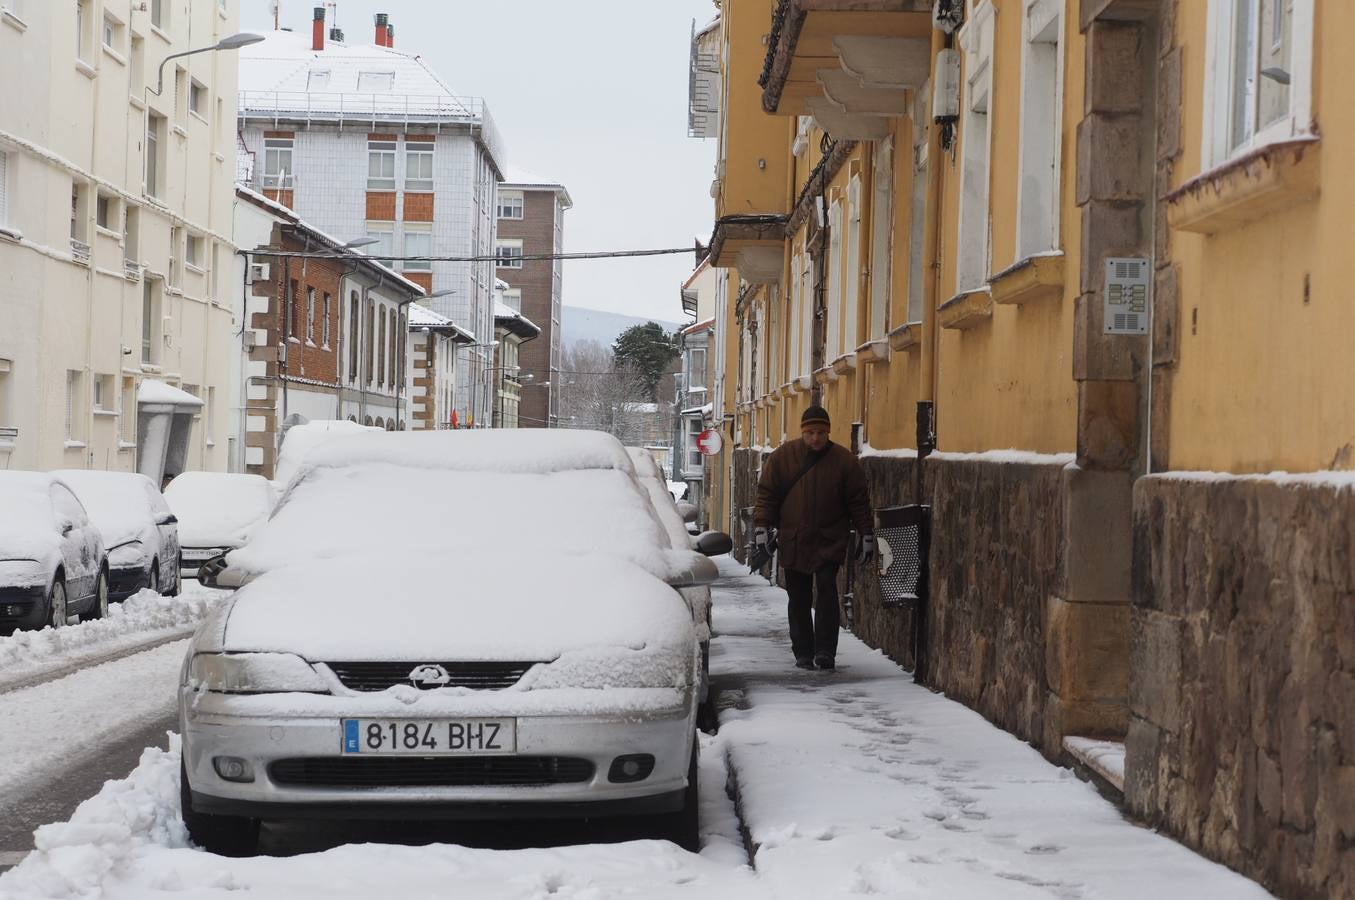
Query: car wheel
[
  {"x": 222, "y": 835},
  {"x": 56, "y": 604},
  {"x": 683, "y": 827},
  {"x": 178, "y": 578},
  {"x": 100, "y": 608},
  {"x": 153, "y": 580}
]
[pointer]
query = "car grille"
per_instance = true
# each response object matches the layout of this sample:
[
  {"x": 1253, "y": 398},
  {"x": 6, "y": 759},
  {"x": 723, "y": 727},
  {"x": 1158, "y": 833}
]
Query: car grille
[
  {"x": 377, "y": 676},
  {"x": 434, "y": 771}
]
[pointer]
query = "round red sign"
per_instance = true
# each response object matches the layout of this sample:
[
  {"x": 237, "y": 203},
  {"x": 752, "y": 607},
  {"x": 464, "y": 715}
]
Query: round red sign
[{"x": 709, "y": 442}]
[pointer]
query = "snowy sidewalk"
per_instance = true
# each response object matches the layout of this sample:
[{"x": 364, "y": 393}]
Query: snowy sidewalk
[{"x": 860, "y": 782}]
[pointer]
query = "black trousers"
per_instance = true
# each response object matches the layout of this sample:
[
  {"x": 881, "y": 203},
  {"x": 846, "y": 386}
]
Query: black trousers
[{"x": 813, "y": 635}]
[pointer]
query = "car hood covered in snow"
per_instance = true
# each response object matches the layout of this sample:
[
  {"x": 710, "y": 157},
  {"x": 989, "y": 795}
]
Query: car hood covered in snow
[
  {"x": 494, "y": 606},
  {"x": 216, "y": 509},
  {"x": 117, "y": 503}
]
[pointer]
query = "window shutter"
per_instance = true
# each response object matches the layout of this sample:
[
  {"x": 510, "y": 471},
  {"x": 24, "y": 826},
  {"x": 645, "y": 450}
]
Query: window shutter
[
  {"x": 4, "y": 188},
  {"x": 70, "y": 403}
]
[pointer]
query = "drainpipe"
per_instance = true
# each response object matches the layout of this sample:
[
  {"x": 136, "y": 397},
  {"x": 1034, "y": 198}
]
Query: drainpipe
[
  {"x": 931, "y": 249},
  {"x": 865, "y": 286}
]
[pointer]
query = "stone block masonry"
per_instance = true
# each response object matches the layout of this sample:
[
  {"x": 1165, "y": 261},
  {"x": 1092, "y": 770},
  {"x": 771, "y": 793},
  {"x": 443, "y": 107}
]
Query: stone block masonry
[{"x": 1242, "y": 736}]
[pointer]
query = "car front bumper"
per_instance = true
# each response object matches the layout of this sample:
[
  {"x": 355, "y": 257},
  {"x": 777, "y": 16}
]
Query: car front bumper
[
  {"x": 192, "y": 558},
  {"x": 210, "y": 730},
  {"x": 23, "y": 607},
  {"x": 124, "y": 582}
]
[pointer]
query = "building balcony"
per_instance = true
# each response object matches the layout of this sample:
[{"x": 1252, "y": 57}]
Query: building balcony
[
  {"x": 753, "y": 244},
  {"x": 852, "y": 64}
]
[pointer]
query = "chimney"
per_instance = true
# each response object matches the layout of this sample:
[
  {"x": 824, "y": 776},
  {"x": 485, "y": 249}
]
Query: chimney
[
  {"x": 318, "y": 29},
  {"x": 336, "y": 35},
  {"x": 382, "y": 23},
  {"x": 390, "y": 35}
]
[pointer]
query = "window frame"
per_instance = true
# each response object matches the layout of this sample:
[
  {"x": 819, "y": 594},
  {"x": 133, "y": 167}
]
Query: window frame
[
  {"x": 511, "y": 205},
  {"x": 1220, "y": 54},
  {"x": 974, "y": 231},
  {"x": 421, "y": 151},
  {"x": 425, "y": 233},
  {"x": 1041, "y": 125},
  {"x": 383, "y": 151},
  {"x": 509, "y": 260},
  {"x": 283, "y": 178}
]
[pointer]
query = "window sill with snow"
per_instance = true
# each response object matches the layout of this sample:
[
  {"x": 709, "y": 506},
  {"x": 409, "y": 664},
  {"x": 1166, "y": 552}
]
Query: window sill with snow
[
  {"x": 966, "y": 309},
  {"x": 1037, "y": 277},
  {"x": 1243, "y": 190}
]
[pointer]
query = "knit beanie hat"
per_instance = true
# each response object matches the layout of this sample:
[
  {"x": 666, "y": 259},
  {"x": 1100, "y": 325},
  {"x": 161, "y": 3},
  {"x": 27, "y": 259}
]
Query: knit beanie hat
[{"x": 815, "y": 415}]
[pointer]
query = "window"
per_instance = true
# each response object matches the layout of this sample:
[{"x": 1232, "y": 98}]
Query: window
[
  {"x": 510, "y": 204},
  {"x": 881, "y": 239},
  {"x": 197, "y": 96},
  {"x": 806, "y": 315},
  {"x": 6, "y": 405},
  {"x": 207, "y": 415},
  {"x": 917, "y": 224},
  {"x": 214, "y": 283},
  {"x": 151, "y": 291},
  {"x": 82, "y": 30},
  {"x": 384, "y": 233},
  {"x": 106, "y": 212},
  {"x": 138, "y": 67},
  {"x": 390, "y": 355},
  {"x": 381, "y": 352},
  {"x": 512, "y": 298},
  {"x": 103, "y": 393},
  {"x": 277, "y": 163},
  {"x": 193, "y": 254},
  {"x": 74, "y": 405},
  {"x": 381, "y": 165},
  {"x": 4, "y": 188},
  {"x": 310, "y": 316},
  {"x": 317, "y": 80},
  {"x": 373, "y": 82},
  {"x": 371, "y": 331},
  {"x": 696, "y": 368},
  {"x": 418, "y": 242},
  {"x": 328, "y": 311},
  {"x": 112, "y": 33},
  {"x": 131, "y": 240},
  {"x": 509, "y": 253},
  {"x": 694, "y": 460},
  {"x": 418, "y": 165},
  {"x": 127, "y": 412},
  {"x": 833, "y": 303},
  {"x": 175, "y": 256},
  {"x": 295, "y": 311},
  {"x": 976, "y": 137},
  {"x": 1260, "y": 87},
  {"x": 180, "y": 94},
  {"x": 1041, "y": 105},
  {"x": 155, "y": 134},
  {"x": 159, "y": 13},
  {"x": 354, "y": 323},
  {"x": 851, "y": 303}
]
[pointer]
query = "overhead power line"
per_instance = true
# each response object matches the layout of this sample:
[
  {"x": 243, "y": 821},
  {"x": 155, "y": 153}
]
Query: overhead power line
[{"x": 597, "y": 254}]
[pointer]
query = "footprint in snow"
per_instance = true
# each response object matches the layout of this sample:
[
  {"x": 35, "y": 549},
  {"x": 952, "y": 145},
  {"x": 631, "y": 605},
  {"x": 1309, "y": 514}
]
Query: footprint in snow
[{"x": 1044, "y": 849}]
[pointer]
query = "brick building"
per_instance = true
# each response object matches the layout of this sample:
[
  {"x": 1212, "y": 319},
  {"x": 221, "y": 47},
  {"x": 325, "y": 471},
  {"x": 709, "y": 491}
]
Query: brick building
[
  {"x": 324, "y": 338},
  {"x": 531, "y": 216}
]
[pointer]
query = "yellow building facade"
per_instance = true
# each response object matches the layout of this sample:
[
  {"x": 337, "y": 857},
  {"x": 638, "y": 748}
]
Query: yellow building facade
[{"x": 1044, "y": 261}]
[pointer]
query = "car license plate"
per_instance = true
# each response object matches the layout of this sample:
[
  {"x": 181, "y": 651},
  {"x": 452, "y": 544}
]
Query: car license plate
[{"x": 430, "y": 737}]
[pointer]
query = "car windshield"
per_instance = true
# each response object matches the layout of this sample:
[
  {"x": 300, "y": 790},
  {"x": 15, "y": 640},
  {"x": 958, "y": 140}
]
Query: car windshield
[
  {"x": 216, "y": 509},
  {"x": 115, "y": 503}
]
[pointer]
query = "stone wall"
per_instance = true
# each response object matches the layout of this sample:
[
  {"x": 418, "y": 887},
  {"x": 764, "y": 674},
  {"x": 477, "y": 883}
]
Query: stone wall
[
  {"x": 889, "y": 629},
  {"x": 1242, "y": 695},
  {"x": 996, "y": 558},
  {"x": 747, "y": 468}
]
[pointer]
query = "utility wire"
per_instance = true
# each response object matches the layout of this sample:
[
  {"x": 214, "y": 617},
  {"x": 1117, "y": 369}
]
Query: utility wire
[{"x": 530, "y": 257}]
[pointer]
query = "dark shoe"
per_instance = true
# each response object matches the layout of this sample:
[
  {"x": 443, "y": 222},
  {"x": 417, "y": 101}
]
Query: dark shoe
[
  {"x": 825, "y": 662},
  {"x": 804, "y": 662}
]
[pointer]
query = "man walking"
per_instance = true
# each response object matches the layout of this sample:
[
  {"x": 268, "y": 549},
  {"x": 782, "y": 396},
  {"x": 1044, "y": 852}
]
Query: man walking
[{"x": 811, "y": 491}]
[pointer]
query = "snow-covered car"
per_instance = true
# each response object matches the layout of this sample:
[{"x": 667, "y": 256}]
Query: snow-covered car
[
  {"x": 302, "y": 438},
  {"x": 449, "y": 625},
  {"x": 217, "y": 511},
  {"x": 52, "y": 560},
  {"x": 138, "y": 528}
]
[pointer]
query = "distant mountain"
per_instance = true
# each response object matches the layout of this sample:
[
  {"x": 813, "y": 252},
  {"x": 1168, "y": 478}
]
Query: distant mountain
[{"x": 580, "y": 324}]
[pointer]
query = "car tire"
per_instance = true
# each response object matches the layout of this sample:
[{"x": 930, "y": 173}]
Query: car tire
[
  {"x": 222, "y": 835},
  {"x": 178, "y": 578},
  {"x": 684, "y": 827},
  {"x": 100, "y": 608},
  {"x": 57, "y": 608},
  {"x": 153, "y": 579}
]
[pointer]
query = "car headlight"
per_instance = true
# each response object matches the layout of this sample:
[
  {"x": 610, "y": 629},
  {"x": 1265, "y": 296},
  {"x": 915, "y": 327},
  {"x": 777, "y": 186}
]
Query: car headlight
[
  {"x": 20, "y": 573},
  {"x": 125, "y": 556},
  {"x": 603, "y": 668},
  {"x": 253, "y": 673}
]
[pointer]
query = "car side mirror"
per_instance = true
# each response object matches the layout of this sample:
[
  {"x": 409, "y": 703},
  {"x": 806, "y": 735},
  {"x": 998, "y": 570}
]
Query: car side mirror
[
  {"x": 167, "y": 519},
  {"x": 714, "y": 543},
  {"x": 687, "y": 510},
  {"x": 208, "y": 571}
]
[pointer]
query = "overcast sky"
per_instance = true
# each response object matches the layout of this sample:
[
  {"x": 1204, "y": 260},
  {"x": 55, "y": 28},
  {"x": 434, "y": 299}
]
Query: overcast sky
[{"x": 590, "y": 93}]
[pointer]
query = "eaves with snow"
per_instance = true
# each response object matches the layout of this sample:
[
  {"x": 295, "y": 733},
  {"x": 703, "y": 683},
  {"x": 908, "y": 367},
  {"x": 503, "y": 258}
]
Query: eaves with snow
[
  {"x": 421, "y": 317},
  {"x": 507, "y": 317},
  {"x": 283, "y": 79},
  {"x": 519, "y": 179}
]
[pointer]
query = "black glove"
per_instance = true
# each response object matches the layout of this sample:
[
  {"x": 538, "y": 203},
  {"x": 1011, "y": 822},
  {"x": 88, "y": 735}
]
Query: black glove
[
  {"x": 762, "y": 537},
  {"x": 764, "y": 545},
  {"x": 865, "y": 549}
]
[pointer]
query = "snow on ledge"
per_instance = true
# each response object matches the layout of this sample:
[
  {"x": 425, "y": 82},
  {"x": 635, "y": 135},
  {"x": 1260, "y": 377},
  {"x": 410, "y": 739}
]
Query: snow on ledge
[
  {"x": 1016, "y": 457},
  {"x": 1105, "y": 758},
  {"x": 1341, "y": 480},
  {"x": 896, "y": 453}
]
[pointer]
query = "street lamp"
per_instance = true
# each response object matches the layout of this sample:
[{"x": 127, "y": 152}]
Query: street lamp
[{"x": 234, "y": 42}]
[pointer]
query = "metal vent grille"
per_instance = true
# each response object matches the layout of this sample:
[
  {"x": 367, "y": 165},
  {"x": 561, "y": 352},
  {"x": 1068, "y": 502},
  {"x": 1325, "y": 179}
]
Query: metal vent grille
[
  {"x": 430, "y": 771},
  {"x": 1127, "y": 292},
  {"x": 902, "y": 538},
  {"x": 378, "y": 676}
]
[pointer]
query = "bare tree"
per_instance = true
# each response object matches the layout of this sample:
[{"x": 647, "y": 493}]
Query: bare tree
[{"x": 598, "y": 395}]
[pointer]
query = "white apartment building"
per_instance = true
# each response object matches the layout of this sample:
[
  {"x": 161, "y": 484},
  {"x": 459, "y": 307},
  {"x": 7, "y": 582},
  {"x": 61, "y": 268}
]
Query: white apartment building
[
  {"x": 115, "y": 234},
  {"x": 364, "y": 139}
]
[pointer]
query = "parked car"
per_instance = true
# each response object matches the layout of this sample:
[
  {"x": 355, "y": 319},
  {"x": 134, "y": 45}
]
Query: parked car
[
  {"x": 385, "y": 657},
  {"x": 217, "y": 511},
  {"x": 138, "y": 529},
  {"x": 52, "y": 560},
  {"x": 301, "y": 439}
]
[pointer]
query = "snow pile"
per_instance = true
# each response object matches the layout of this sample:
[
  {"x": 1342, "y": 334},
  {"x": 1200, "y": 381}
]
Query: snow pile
[
  {"x": 141, "y": 618},
  {"x": 153, "y": 391},
  {"x": 1011, "y": 457},
  {"x": 1339, "y": 479},
  {"x": 118, "y": 503},
  {"x": 216, "y": 509}
]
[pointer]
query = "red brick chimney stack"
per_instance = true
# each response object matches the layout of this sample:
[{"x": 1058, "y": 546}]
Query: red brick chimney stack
[
  {"x": 318, "y": 29},
  {"x": 390, "y": 35},
  {"x": 382, "y": 25}
]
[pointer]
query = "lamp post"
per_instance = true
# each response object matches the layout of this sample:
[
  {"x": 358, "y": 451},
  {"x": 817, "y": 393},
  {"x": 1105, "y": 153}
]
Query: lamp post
[{"x": 234, "y": 42}]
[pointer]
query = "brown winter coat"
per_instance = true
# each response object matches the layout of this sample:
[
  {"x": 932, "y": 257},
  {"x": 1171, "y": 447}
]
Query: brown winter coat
[{"x": 814, "y": 519}]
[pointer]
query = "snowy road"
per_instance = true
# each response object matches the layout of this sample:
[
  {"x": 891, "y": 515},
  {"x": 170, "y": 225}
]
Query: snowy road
[{"x": 848, "y": 783}]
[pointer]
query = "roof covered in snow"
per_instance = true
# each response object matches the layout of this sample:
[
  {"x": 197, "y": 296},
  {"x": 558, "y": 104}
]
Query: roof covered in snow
[
  {"x": 423, "y": 317},
  {"x": 523, "y": 180},
  {"x": 153, "y": 391},
  {"x": 512, "y": 320}
]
